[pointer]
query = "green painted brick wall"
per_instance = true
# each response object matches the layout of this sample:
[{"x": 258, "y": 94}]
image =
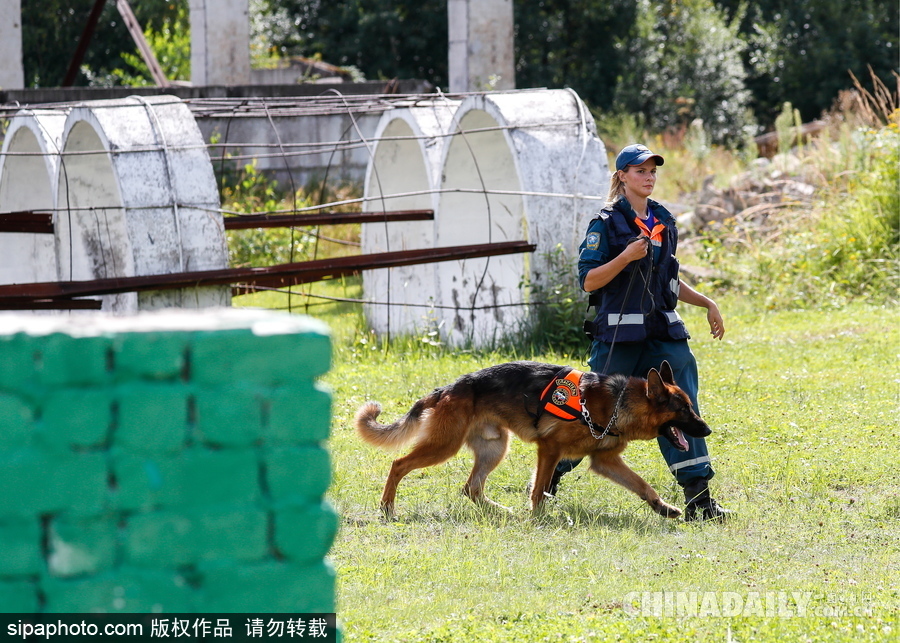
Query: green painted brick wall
[{"x": 174, "y": 462}]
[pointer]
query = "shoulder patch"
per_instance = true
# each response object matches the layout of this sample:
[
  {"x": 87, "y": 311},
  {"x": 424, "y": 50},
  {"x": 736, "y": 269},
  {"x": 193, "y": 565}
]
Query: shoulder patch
[{"x": 592, "y": 240}]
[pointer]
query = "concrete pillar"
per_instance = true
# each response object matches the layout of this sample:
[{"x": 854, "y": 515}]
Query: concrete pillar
[
  {"x": 220, "y": 42},
  {"x": 481, "y": 52},
  {"x": 12, "y": 75}
]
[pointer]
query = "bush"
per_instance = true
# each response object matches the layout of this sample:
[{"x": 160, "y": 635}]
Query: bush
[
  {"x": 845, "y": 247},
  {"x": 686, "y": 64},
  {"x": 249, "y": 192},
  {"x": 558, "y": 308}
]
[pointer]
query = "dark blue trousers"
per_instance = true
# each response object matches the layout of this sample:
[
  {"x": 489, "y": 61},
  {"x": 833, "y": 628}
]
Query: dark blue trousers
[{"x": 636, "y": 359}]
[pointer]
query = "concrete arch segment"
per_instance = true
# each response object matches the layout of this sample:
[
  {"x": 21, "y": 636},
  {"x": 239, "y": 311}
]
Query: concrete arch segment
[
  {"x": 136, "y": 195},
  {"x": 403, "y": 174},
  {"x": 29, "y": 162},
  {"x": 517, "y": 167}
]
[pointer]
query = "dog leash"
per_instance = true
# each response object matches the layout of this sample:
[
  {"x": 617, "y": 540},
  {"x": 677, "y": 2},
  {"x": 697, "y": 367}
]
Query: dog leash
[
  {"x": 612, "y": 421},
  {"x": 624, "y": 303}
]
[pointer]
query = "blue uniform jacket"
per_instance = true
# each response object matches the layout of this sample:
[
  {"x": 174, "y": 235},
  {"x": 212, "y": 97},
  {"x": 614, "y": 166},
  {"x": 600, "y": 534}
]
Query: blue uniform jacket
[{"x": 654, "y": 290}]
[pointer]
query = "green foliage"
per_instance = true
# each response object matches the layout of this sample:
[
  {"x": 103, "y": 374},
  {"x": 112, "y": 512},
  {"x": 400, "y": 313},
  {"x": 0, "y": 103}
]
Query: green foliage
[
  {"x": 51, "y": 30},
  {"x": 171, "y": 45},
  {"x": 559, "y": 308},
  {"x": 802, "y": 50},
  {"x": 845, "y": 247},
  {"x": 686, "y": 64},
  {"x": 573, "y": 43},
  {"x": 381, "y": 38},
  {"x": 250, "y": 192}
]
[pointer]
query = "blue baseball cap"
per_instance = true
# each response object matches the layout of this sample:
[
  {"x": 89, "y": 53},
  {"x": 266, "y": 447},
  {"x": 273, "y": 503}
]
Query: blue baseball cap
[{"x": 635, "y": 154}]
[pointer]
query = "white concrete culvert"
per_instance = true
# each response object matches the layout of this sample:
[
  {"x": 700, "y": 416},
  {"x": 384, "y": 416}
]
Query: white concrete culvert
[
  {"x": 521, "y": 167},
  {"x": 136, "y": 195},
  {"x": 29, "y": 162},
  {"x": 405, "y": 160}
]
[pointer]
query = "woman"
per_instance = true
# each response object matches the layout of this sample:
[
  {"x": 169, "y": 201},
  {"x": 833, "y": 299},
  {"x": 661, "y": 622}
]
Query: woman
[{"x": 627, "y": 262}]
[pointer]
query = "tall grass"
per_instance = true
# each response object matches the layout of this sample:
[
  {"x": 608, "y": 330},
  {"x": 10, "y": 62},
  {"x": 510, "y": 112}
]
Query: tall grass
[{"x": 844, "y": 247}]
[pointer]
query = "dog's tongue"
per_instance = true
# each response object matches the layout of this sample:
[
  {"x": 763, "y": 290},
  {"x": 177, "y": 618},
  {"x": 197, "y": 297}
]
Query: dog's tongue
[{"x": 679, "y": 437}]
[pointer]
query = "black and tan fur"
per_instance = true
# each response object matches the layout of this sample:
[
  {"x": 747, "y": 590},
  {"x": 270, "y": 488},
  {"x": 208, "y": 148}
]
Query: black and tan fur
[{"x": 480, "y": 410}]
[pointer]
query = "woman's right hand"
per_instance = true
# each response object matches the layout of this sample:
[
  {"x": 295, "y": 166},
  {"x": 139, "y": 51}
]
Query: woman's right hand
[{"x": 637, "y": 249}]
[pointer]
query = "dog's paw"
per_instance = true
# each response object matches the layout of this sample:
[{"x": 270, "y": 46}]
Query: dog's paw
[{"x": 664, "y": 509}]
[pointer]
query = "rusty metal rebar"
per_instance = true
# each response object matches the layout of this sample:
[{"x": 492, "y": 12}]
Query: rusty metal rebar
[{"x": 13, "y": 296}]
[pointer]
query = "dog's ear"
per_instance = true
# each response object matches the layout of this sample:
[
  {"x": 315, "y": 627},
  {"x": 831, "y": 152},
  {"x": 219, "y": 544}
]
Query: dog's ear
[
  {"x": 666, "y": 373},
  {"x": 655, "y": 386}
]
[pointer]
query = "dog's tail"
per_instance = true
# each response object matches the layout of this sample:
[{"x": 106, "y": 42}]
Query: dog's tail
[{"x": 392, "y": 436}]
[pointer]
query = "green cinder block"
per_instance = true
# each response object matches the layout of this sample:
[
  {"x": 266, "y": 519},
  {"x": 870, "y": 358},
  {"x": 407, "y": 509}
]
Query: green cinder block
[
  {"x": 170, "y": 539},
  {"x": 241, "y": 356},
  {"x": 17, "y": 363},
  {"x": 228, "y": 417},
  {"x": 21, "y": 547},
  {"x": 299, "y": 414},
  {"x": 122, "y": 590},
  {"x": 62, "y": 360},
  {"x": 18, "y": 597},
  {"x": 33, "y": 482},
  {"x": 193, "y": 478},
  {"x": 304, "y": 534},
  {"x": 152, "y": 418},
  {"x": 271, "y": 587},
  {"x": 16, "y": 422},
  {"x": 77, "y": 417},
  {"x": 79, "y": 546},
  {"x": 150, "y": 356},
  {"x": 297, "y": 475}
]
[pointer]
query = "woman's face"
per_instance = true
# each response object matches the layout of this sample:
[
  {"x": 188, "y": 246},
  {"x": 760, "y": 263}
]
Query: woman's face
[{"x": 639, "y": 179}]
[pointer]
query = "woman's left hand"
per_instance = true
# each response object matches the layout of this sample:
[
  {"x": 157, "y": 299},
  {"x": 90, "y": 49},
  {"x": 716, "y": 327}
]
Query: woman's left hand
[{"x": 716, "y": 323}]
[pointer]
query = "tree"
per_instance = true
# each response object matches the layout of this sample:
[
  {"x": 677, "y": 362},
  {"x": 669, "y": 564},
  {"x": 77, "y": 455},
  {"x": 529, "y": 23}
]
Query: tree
[
  {"x": 382, "y": 38},
  {"x": 580, "y": 44},
  {"x": 803, "y": 50},
  {"x": 686, "y": 64},
  {"x": 51, "y": 30}
]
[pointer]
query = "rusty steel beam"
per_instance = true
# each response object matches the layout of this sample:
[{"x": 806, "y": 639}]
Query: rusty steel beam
[
  {"x": 53, "y": 304},
  {"x": 86, "y": 35},
  {"x": 26, "y": 221},
  {"x": 243, "y": 222},
  {"x": 279, "y": 276}
]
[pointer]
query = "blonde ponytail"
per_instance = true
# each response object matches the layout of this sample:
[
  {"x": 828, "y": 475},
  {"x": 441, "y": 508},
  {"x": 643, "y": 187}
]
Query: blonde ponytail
[{"x": 616, "y": 188}]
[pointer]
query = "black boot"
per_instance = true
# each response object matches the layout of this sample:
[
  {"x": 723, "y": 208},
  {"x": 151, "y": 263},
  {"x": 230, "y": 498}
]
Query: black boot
[{"x": 700, "y": 505}]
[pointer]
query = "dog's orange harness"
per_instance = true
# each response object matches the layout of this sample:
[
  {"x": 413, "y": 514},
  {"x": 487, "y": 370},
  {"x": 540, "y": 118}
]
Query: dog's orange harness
[{"x": 562, "y": 397}]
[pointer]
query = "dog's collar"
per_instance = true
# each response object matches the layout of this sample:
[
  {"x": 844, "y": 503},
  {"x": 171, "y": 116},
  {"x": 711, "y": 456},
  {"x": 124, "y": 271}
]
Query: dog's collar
[{"x": 586, "y": 418}]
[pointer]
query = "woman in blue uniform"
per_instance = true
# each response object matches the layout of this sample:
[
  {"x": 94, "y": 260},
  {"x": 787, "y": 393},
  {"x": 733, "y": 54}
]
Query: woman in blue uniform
[{"x": 627, "y": 262}]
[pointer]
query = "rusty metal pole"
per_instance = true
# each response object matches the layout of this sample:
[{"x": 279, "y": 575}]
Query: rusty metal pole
[
  {"x": 137, "y": 34},
  {"x": 86, "y": 36}
]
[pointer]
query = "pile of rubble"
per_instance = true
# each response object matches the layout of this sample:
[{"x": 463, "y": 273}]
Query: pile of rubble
[{"x": 769, "y": 186}]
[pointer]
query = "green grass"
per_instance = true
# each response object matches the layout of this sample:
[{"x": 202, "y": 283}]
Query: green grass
[{"x": 804, "y": 411}]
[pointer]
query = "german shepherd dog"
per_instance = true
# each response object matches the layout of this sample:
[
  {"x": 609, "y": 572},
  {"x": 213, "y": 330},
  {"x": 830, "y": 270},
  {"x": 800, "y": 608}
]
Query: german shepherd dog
[{"x": 481, "y": 408}]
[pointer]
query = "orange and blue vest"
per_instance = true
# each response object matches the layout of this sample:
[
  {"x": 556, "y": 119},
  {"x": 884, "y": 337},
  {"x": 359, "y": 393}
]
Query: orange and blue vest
[{"x": 562, "y": 396}]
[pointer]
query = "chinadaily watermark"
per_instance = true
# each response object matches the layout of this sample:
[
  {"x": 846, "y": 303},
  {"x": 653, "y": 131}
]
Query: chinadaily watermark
[{"x": 780, "y": 604}]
